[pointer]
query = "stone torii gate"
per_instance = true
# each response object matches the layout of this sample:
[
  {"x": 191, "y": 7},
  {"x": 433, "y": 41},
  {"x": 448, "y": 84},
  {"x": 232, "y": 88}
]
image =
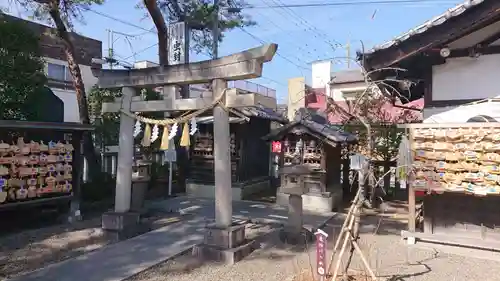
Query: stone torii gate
[{"x": 244, "y": 65}]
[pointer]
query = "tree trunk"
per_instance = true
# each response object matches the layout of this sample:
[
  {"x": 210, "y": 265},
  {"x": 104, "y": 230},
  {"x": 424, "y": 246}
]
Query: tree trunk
[
  {"x": 161, "y": 27},
  {"x": 88, "y": 143}
]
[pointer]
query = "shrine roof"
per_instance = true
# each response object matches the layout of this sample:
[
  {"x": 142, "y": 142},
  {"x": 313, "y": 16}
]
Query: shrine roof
[
  {"x": 262, "y": 112},
  {"x": 315, "y": 125},
  {"x": 250, "y": 112},
  {"x": 34, "y": 125}
]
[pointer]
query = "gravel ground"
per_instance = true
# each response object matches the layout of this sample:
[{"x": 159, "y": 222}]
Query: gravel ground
[
  {"x": 32, "y": 249},
  {"x": 389, "y": 257}
]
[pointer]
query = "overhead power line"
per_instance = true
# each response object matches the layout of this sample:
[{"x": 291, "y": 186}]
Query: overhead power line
[
  {"x": 155, "y": 32},
  {"x": 277, "y": 53},
  {"x": 351, "y": 3}
]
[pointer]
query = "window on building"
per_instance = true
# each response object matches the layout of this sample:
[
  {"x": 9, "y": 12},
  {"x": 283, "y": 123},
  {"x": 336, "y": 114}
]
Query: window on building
[
  {"x": 67, "y": 74},
  {"x": 58, "y": 72}
]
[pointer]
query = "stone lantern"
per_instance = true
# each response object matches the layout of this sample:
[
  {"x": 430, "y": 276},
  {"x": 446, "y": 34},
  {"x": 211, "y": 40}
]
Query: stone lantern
[
  {"x": 141, "y": 176},
  {"x": 294, "y": 186}
]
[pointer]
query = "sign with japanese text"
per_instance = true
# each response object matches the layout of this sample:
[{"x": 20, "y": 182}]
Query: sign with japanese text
[
  {"x": 276, "y": 146},
  {"x": 177, "y": 42},
  {"x": 170, "y": 155},
  {"x": 321, "y": 237}
]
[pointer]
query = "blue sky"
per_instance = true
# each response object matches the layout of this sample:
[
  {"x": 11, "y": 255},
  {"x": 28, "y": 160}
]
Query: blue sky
[{"x": 298, "y": 42}]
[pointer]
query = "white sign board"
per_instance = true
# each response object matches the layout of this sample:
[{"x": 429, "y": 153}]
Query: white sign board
[
  {"x": 170, "y": 155},
  {"x": 358, "y": 161},
  {"x": 177, "y": 42}
]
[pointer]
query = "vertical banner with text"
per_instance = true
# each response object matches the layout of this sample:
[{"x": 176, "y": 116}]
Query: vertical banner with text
[
  {"x": 321, "y": 237},
  {"x": 178, "y": 43}
]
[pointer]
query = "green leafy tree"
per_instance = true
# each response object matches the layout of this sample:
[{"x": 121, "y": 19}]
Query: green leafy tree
[
  {"x": 107, "y": 125},
  {"x": 62, "y": 13},
  {"x": 21, "y": 70}
]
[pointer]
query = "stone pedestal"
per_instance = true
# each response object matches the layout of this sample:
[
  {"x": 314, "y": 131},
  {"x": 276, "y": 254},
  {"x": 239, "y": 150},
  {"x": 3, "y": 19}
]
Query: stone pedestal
[
  {"x": 121, "y": 225},
  {"x": 294, "y": 214},
  {"x": 294, "y": 233},
  {"x": 227, "y": 245}
]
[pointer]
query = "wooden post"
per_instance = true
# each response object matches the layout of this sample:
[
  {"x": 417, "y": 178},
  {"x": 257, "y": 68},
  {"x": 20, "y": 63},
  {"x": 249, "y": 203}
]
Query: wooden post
[
  {"x": 222, "y": 163},
  {"x": 125, "y": 155},
  {"x": 346, "y": 184},
  {"x": 411, "y": 208}
]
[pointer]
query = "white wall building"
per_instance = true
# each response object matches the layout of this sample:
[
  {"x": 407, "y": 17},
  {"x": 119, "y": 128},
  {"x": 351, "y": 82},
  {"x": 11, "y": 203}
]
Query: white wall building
[{"x": 339, "y": 85}]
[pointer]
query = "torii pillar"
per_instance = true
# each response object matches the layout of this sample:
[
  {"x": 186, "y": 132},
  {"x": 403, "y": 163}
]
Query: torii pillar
[{"x": 224, "y": 240}]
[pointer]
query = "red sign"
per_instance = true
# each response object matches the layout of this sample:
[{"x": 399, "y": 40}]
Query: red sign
[
  {"x": 276, "y": 146},
  {"x": 321, "y": 237}
]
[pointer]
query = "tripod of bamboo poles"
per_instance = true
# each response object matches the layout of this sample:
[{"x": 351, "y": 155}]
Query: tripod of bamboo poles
[{"x": 349, "y": 233}]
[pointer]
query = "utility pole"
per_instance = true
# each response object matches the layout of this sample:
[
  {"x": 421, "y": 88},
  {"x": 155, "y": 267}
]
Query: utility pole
[
  {"x": 215, "y": 31},
  {"x": 111, "y": 42}
]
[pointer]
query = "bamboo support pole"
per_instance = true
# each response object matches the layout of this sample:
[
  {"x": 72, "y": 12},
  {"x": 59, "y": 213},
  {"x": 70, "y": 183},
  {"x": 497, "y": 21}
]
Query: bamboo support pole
[
  {"x": 344, "y": 245},
  {"x": 343, "y": 229}
]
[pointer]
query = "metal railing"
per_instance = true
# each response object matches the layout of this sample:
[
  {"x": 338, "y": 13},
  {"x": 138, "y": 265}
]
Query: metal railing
[
  {"x": 253, "y": 88},
  {"x": 196, "y": 91}
]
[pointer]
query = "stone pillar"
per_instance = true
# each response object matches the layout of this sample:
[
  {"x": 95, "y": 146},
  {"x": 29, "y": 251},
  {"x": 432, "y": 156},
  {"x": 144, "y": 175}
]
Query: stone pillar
[
  {"x": 295, "y": 216},
  {"x": 222, "y": 163},
  {"x": 223, "y": 241},
  {"x": 125, "y": 154},
  {"x": 122, "y": 223}
]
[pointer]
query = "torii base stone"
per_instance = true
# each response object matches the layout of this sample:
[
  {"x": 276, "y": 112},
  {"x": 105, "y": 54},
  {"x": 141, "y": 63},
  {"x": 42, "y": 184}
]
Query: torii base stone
[{"x": 225, "y": 244}]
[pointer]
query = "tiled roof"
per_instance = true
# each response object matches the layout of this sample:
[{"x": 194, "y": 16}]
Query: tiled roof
[
  {"x": 444, "y": 17},
  {"x": 249, "y": 111},
  {"x": 386, "y": 113},
  {"x": 262, "y": 112},
  {"x": 347, "y": 76},
  {"x": 316, "y": 100},
  {"x": 316, "y": 124}
]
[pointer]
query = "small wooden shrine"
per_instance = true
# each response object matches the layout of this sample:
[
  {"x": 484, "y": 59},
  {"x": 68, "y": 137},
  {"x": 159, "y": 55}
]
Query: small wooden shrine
[
  {"x": 455, "y": 168},
  {"x": 250, "y": 155},
  {"x": 313, "y": 141},
  {"x": 40, "y": 163}
]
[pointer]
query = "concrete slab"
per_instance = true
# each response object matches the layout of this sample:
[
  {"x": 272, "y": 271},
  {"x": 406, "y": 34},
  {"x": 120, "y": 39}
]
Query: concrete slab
[
  {"x": 242, "y": 210},
  {"x": 121, "y": 260},
  {"x": 124, "y": 259}
]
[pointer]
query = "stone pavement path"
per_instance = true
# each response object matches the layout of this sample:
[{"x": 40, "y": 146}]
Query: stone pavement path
[
  {"x": 123, "y": 259},
  {"x": 118, "y": 261},
  {"x": 242, "y": 210}
]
